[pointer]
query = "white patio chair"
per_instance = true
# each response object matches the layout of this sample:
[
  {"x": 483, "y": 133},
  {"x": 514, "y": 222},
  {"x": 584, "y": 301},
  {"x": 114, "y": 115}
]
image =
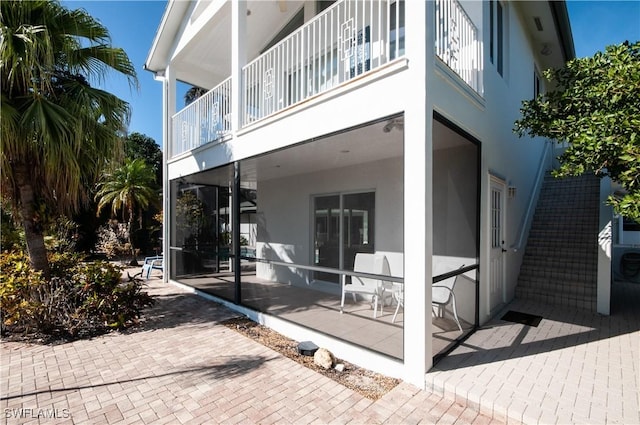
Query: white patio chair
[
  {"x": 368, "y": 263},
  {"x": 398, "y": 296},
  {"x": 442, "y": 294},
  {"x": 152, "y": 263}
]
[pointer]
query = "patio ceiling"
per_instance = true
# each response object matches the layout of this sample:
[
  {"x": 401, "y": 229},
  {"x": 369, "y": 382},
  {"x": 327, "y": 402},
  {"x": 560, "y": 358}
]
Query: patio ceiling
[{"x": 366, "y": 144}]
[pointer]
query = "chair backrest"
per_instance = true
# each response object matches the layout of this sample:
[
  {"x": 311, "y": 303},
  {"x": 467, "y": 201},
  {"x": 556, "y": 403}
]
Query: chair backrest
[
  {"x": 370, "y": 263},
  {"x": 438, "y": 292},
  {"x": 381, "y": 267}
]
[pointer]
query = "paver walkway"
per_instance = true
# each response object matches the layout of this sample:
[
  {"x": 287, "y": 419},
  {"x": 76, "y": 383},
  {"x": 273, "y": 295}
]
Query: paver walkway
[
  {"x": 184, "y": 367},
  {"x": 575, "y": 367}
]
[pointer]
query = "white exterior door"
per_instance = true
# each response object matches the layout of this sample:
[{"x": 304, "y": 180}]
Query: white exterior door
[{"x": 497, "y": 240}]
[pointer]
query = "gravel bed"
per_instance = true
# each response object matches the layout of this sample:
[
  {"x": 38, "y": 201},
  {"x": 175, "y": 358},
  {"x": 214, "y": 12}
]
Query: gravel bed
[{"x": 365, "y": 382}]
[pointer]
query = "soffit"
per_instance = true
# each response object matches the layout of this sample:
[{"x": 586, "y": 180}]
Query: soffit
[
  {"x": 547, "y": 43},
  {"x": 205, "y": 58}
]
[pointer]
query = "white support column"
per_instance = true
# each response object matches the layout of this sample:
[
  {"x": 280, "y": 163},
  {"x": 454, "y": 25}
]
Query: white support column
[
  {"x": 418, "y": 247},
  {"x": 605, "y": 242},
  {"x": 168, "y": 110},
  {"x": 238, "y": 60}
]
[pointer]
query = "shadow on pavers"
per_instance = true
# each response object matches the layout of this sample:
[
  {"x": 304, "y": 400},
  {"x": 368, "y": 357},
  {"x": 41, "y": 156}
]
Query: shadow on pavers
[
  {"x": 579, "y": 327},
  {"x": 231, "y": 367}
]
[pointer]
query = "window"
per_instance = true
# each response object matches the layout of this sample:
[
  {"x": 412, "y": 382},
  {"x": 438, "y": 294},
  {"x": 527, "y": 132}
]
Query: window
[
  {"x": 537, "y": 83},
  {"x": 343, "y": 226},
  {"x": 497, "y": 35},
  {"x": 491, "y": 29},
  {"x": 500, "y": 39}
]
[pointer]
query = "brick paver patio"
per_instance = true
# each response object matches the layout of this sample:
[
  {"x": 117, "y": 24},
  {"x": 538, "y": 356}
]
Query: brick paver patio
[{"x": 184, "y": 367}]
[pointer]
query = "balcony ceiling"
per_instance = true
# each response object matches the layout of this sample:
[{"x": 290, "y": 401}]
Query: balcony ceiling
[{"x": 205, "y": 60}]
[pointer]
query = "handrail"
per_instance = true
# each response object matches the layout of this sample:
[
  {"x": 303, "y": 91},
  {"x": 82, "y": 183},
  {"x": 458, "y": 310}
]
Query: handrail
[
  {"x": 456, "y": 272},
  {"x": 532, "y": 199},
  {"x": 329, "y": 270},
  {"x": 436, "y": 279}
]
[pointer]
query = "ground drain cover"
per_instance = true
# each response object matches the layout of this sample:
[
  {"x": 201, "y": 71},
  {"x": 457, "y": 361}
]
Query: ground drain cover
[{"x": 523, "y": 318}]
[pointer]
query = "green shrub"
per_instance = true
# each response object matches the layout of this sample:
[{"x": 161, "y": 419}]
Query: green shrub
[
  {"x": 18, "y": 292},
  {"x": 11, "y": 236},
  {"x": 63, "y": 233},
  {"x": 80, "y": 299}
]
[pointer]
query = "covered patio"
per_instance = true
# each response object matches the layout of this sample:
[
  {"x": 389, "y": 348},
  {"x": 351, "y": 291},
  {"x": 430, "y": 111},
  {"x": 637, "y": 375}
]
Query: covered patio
[
  {"x": 301, "y": 216},
  {"x": 321, "y": 312}
]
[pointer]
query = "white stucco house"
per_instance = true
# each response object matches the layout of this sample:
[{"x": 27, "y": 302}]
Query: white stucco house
[{"x": 354, "y": 142}]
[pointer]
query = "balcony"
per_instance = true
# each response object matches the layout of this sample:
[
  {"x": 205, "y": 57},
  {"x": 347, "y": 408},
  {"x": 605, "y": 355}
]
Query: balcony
[
  {"x": 345, "y": 41},
  {"x": 457, "y": 43},
  {"x": 204, "y": 121},
  {"x": 341, "y": 44}
]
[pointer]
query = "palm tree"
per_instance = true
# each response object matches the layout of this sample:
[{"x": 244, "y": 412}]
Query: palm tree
[
  {"x": 193, "y": 94},
  {"x": 56, "y": 130},
  {"x": 128, "y": 188}
]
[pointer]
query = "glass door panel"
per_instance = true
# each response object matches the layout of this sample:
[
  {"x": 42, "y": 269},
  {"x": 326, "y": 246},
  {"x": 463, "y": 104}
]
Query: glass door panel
[
  {"x": 326, "y": 235},
  {"x": 358, "y": 226}
]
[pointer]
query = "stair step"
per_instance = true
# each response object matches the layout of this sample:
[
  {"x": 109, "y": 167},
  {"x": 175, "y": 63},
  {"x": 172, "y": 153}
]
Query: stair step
[
  {"x": 545, "y": 263},
  {"x": 552, "y": 278},
  {"x": 565, "y": 248},
  {"x": 586, "y": 303},
  {"x": 559, "y": 264},
  {"x": 556, "y": 292}
]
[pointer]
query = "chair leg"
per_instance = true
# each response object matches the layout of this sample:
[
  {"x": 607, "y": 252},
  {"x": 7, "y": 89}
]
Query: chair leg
[
  {"x": 375, "y": 306},
  {"x": 396, "y": 313},
  {"x": 455, "y": 313}
]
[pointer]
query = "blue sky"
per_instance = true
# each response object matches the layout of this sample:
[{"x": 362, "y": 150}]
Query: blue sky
[{"x": 132, "y": 24}]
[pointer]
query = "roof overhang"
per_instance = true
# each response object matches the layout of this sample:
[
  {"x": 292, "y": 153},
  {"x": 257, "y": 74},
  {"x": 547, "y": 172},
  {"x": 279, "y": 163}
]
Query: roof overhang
[
  {"x": 563, "y": 27},
  {"x": 195, "y": 37},
  {"x": 547, "y": 25},
  {"x": 164, "y": 40}
]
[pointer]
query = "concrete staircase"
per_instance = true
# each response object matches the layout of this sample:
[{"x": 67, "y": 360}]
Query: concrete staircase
[{"x": 560, "y": 263}]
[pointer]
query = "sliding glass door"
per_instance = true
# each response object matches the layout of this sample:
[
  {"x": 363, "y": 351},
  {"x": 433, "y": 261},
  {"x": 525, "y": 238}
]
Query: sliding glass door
[{"x": 343, "y": 226}]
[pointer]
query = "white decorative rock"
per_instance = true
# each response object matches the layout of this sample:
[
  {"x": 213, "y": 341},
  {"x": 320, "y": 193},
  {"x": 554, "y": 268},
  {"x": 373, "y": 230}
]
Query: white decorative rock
[
  {"x": 339, "y": 367},
  {"x": 323, "y": 358}
]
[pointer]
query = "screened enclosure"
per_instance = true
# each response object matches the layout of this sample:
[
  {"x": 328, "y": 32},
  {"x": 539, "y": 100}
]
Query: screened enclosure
[{"x": 320, "y": 234}]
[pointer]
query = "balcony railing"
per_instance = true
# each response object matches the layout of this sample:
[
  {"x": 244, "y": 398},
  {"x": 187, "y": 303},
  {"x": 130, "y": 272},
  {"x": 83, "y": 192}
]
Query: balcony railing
[
  {"x": 345, "y": 41},
  {"x": 205, "y": 120},
  {"x": 457, "y": 42}
]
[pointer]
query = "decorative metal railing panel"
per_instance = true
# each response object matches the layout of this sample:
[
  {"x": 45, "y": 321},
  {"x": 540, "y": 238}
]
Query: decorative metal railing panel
[
  {"x": 345, "y": 41},
  {"x": 457, "y": 42},
  {"x": 205, "y": 120}
]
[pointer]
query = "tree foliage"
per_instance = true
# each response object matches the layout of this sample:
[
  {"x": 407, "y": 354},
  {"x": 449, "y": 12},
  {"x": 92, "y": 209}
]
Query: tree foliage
[
  {"x": 129, "y": 189},
  {"x": 141, "y": 146},
  {"x": 193, "y": 94},
  {"x": 595, "y": 107},
  {"x": 57, "y": 131}
]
